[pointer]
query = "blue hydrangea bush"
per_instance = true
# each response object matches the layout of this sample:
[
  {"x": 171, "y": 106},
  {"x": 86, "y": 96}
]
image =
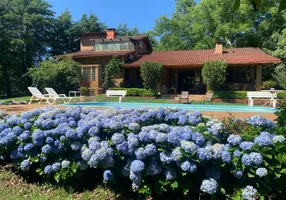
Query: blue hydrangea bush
[{"x": 153, "y": 150}]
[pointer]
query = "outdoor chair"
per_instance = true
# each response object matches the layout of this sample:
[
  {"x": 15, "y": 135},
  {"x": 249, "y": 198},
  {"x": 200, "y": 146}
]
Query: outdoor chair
[
  {"x": 54, "y": 96},
  {"x": 37, "y": 95},
  {"x": 184, "y": 96},
  {"x": 209, "y": 97}
]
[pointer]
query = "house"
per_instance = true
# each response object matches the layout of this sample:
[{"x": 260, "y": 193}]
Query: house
[{"x": 182, "y": 69}]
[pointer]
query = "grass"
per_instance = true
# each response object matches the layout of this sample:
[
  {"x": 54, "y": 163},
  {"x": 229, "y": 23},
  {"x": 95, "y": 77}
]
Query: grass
[
  {"x": 14, "y": 187},
  {"x": 100, "y": 98}
]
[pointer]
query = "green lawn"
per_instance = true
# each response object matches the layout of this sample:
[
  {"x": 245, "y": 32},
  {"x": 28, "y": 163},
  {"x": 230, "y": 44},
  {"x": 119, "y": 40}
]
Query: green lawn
[
  {"x": 100, "y": 98},
  {"x": 13, "y": 187}
]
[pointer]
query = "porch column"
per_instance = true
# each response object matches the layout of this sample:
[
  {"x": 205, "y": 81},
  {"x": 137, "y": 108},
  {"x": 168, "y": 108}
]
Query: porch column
[{"x": 258, "y": 77}]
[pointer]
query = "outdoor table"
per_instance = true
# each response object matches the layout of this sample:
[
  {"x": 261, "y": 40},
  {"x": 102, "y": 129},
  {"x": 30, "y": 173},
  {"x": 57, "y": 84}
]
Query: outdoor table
[{"x": 74, "y": 93}]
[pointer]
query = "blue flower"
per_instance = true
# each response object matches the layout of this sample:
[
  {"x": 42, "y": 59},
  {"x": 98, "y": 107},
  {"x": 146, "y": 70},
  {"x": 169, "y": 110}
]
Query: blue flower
[
  {"x": 135, "y": 187},
  {"x": 260, "y": 121},
  {"x": 164, "y": 128},
  {"x": 245, "y": 145},
  {"x": 188, "y": 166},
  {"x": 198, "y": 138},
  {"x": 144, "y": 136},
  {"x": 38, "y": 137},
  {"x": 256, "y": 158},
  {"x": 25, "y": 165},
  {"x": 48, "y": 169},
  {"x": 166, "y": 157},
  {"x": 42, "y": 159},
  {"x": 132, "y": 140},
  {"x": 135, "y": 177},
  {"x": 170, "y": 173},
  {"x": 140, "y": 153},
  {"x": 177, "y": 154},
  {"x": 246, "y": 160},
  {"x": 205, "y": 153},
  {"x": 238, "y": 174},
  {"x": 225, "y": 156},
  {"x": 107, "y": 175},
  {"x": 237, "y": 153},
  {"x": 188, "y": 146},
  {"x": 65, "y": 164},
  {"x": 17, "y": 130},
  {"x": 46, "y": 149},
  {"x": 24, "y": 136},
  {"x": 134, "y": 126},
  {"x": 124, "y": 148},
  {"x": 249, "y": 193},
  {"x": 209, "y": 186},
  {"x": 117, "y": 138},
  {"x": 93, "y": 131},
  {"x": 150, "y": 149},
  {"x": 137, "y": 166},
  {"x": 28, "y": 147},
  {"x": 261, "y": 172},
  {"x": 76, "y": 145},
  {"x": 263, "y": 140},
  {"x": 234, "y": 139},
  {"x": 49, "y": 140},
  {"x": 56, "y": 166},
  {"x": 161, "y": 137}
]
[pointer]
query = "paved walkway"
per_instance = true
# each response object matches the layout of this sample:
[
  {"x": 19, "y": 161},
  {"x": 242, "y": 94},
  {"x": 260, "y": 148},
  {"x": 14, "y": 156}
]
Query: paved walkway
[{"x": 218, "y": 115}]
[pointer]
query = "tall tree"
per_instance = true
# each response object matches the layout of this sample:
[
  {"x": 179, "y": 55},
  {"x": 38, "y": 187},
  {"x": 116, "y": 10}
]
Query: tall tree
[
  {"x": 64, "y": 38},
  {"x": 88, "y": 24},
  {"x": 24, "y": 27}
]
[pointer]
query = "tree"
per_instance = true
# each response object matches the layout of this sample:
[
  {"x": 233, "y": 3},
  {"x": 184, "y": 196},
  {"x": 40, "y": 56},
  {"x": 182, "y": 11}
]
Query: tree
[
  {"x": 151, "y": 74},
  {"x": 25, "y": 29},
  {"x": 257, "y": 4},
  {"x": 214, "y": 74},
  {"x": 64, "y": 39},
  {"x": 279, "y": 75},
  {"x": 62, "y": 75},
  {"x": 114, "y": 67},
  {"x": 89, "y": 24}
]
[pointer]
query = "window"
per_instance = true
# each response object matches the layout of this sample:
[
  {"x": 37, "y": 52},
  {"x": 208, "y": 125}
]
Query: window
[
  {"x": 114, "y": 46},
  {"x": 88, "y": 73}
]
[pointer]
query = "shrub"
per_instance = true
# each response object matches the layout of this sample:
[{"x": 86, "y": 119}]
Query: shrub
[
  {"x": 267, "y": 85},
  {"x": 281, "y": 95},
  {"x": 114, "y": 67},
  {"x": 214, "y": 74},
  {"x": 231, "y": 94},
  {"x": 151, "y": 74},
  {"x": 62, "y": 75},
  {"x": 137, "y": 92},
  {"x": 281, "y": 114},
  {"x": 280, "y": 75},
  {"x": 151, "y": 150}
]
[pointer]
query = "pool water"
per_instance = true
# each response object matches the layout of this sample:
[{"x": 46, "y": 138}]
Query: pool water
[{"x": 196, "y": 107}]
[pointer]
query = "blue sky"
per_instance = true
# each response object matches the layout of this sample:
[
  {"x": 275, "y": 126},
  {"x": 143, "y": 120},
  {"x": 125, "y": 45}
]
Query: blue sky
[{"x": 140, "y": 14}]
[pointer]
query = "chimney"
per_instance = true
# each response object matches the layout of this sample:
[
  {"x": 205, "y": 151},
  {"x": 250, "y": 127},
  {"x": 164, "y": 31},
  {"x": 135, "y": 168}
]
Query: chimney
[
  {"x": 110, "y": 33},
  {"x": 219, "y": 48}
]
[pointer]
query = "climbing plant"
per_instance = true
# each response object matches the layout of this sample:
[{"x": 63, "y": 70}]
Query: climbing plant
[{"x": 114, "y": 67}]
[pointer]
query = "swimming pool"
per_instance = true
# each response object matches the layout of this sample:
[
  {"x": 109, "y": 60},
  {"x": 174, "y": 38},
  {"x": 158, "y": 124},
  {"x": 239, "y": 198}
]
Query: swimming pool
[{"x": 196, "y": 107}]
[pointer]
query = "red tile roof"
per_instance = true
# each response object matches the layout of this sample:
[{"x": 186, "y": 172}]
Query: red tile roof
[
  {"x": 235, "y": 56},
  {"x": 92, "y": 53}
]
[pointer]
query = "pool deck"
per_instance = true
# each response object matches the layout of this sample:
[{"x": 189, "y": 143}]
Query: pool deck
[{"x": 16, "y": 109}]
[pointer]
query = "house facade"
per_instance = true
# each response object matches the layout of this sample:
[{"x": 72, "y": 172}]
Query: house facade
[{"x": 182, "y": 69}]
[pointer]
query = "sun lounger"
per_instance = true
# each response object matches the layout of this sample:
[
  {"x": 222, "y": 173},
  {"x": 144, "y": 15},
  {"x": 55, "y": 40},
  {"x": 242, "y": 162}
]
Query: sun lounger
[
  {"x": 54, "y": 96},
  {"x": 37, "y": 95}
]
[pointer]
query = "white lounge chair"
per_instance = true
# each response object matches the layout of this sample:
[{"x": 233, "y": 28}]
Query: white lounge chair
[
  {"x": 54, "y": 96},
  {"x": 184, "y": 96},
  {"x": 37, "y": 95}
]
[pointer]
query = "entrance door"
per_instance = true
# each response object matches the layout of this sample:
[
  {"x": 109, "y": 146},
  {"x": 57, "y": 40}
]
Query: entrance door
[
  {"x": 89, "y": 76},
  {"x": 187, "y": 81}
]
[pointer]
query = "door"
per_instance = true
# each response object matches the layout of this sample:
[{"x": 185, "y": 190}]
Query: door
[
  {"x": 89, "y": 76},
  {"x": 187, "y": 81}
]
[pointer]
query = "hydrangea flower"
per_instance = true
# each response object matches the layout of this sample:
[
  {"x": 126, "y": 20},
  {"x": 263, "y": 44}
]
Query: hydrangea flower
[
  {"x": 188, "y": 146},
  {"x": 28, "y": 147},
  {"x": 107, "y": 175},
  {"x": 137, "y": 166},
  {"x": 225, "y": 156},
  {"x": 76, "y": 145},
  {"x": 234, "y": 139},
  {"x": 198, "y": 138},
  {"x": 154, "y": 167},
  {"x": 134, "y": 126},
  {"x": 161, "y": 137},
  {"x": 150, "y": 150},
  {"x": 278, "y": 138},
  {"x": 246, "y": 160},
  {"x": 38, "y": 137},
  {"x": 65, "y": 164},
  {"x": 188, "y": 166},
  {"x": 249, "y": 193},
  {"x": 93, "y": 131},
  {"x": 205, "y": 153},
  {"x": 25, "y": 165},
  {"x": 56, "y": 166},
  {"x": 140, "y": 153},
  {"x": 263, "y": 139},
  {"x": 246, "y": 145},
  {"x": 166, "y": 157},
  {"x": 170, "y": 173},
  {"x": 261, "y": 172},
  {"x": 49, "y": 140},
  {"x": 177, "y": 154},
  {"x": 209, "y": 186},
  {"x": 237, "y": 153},
  {"x": 48, "y": 169},
  {"x": 238, "y": 174},
  {"x": 256, "y": 158}
]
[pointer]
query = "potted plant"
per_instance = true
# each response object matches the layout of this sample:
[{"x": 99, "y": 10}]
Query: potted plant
[{"x": 84, "y": 93}]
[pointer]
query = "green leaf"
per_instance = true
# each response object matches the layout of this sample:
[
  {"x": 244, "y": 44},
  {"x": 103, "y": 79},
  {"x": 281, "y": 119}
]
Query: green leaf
[
  {"x": 250, "y": 175},
  {"x": 236, "y": 4},
  {"x": 282, "y": 5},
  {"x": 174, "y": 185},
  {"x": 57, "y": 176},
  {"x": 222, "y": 190}
]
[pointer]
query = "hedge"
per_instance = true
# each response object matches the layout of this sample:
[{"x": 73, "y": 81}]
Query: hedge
[
  {"x": 137, "y": 92},
  {"x": 231, "y": 94},
  {"x": 281, "y": 95},
  {"x": 149, "y": 150}
]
